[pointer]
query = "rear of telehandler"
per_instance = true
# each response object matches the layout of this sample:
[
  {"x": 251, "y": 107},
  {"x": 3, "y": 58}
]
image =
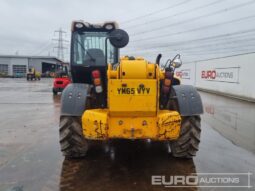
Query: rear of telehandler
[
  {"x": 129, "y": 98},
  {"x": 33, "y": 74}
]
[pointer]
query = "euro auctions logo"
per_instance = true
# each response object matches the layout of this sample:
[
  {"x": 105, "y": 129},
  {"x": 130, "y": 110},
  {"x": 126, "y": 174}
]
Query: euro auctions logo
[
  {"x": 183, "y": 74},
  {"x": 230, "y": 74},
  {"x": 209, "y": 74},
  {"x": 206, "y": 180}
]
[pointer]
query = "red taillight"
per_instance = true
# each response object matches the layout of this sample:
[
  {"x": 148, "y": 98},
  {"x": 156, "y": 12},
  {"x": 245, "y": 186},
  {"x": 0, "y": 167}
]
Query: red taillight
[
  {"x": 97, "y": 81},
  {"x": 96, "y": 74}
]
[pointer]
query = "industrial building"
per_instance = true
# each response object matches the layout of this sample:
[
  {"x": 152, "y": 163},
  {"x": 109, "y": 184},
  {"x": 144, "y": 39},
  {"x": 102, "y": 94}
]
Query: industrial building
[{"x": 17, "y": 66}]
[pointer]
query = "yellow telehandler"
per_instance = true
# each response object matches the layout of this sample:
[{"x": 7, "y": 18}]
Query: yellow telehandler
[
  {"x": 33, "y": 74},
  {"x": 124, "y": 98}
]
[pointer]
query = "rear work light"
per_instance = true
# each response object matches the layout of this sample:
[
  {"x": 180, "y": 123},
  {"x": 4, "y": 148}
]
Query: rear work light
[{"x": 99, "y": 89}]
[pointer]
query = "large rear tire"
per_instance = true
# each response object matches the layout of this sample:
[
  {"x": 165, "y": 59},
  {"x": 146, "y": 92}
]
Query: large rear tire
[
  {"x": 72, "y": 142},
  {"x": 187, "y": 144}
]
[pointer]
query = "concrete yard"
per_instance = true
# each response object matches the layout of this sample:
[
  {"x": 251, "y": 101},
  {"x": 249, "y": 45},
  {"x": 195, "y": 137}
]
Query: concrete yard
[{"x": 31, "y": 160}]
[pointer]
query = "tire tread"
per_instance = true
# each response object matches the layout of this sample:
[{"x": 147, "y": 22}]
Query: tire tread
[
  {"x": 187, "y": 144},
  {"x": 72, "y": 142}
]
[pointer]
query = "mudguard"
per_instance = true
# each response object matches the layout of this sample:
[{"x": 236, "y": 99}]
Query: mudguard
[
  {"x": 189, "y": 100},
  {"x": 73, "y": 99}
]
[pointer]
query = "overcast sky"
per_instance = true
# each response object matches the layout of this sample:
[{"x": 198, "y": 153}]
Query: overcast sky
[{"x": 166, "y": 26}]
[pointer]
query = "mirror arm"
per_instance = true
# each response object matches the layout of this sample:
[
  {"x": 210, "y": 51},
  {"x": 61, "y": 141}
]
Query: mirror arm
[
  {"x": 177, "y": 56},
  {"x": 169, "y": 60}
]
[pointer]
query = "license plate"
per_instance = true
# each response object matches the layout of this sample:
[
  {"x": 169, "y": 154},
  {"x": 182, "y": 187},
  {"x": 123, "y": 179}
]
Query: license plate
[{"x": 133, "y": 91}]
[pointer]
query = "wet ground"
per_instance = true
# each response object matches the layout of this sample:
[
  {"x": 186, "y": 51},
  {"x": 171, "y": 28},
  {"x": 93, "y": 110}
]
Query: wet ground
[{"x": 30, "y": 157}]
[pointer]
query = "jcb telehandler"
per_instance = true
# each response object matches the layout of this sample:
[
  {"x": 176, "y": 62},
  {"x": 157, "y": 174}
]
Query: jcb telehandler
[
  {"x": 33, "y": 74},
  {"x": 129, "y": 98}
]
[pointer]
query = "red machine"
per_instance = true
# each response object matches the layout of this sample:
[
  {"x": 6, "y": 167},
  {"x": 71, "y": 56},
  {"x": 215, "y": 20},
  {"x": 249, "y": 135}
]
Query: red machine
[{"x": 60, "y": 82}]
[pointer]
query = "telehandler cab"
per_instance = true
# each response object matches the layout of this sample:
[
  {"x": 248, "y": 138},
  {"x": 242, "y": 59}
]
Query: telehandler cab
[{"x": 126, "y": 98}]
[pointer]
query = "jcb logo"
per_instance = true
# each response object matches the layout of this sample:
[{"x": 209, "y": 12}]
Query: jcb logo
[{"x": 133, "y": 91}]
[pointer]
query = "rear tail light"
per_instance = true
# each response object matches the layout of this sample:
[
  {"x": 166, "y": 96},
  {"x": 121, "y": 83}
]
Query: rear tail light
[
  {"x": 97, "y": 81},
  {"x": 167, "y": 82},
  {"x": 96, "y": 74}
]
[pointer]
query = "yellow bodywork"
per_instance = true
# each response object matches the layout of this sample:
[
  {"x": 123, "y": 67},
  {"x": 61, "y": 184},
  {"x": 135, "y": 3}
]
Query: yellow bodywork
[
  {"x": 132, "y": 97},
  {"x": 97, "y": 124},
  {"x": 133, "y": 106},
  {"x": 37, "y": 74}
]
